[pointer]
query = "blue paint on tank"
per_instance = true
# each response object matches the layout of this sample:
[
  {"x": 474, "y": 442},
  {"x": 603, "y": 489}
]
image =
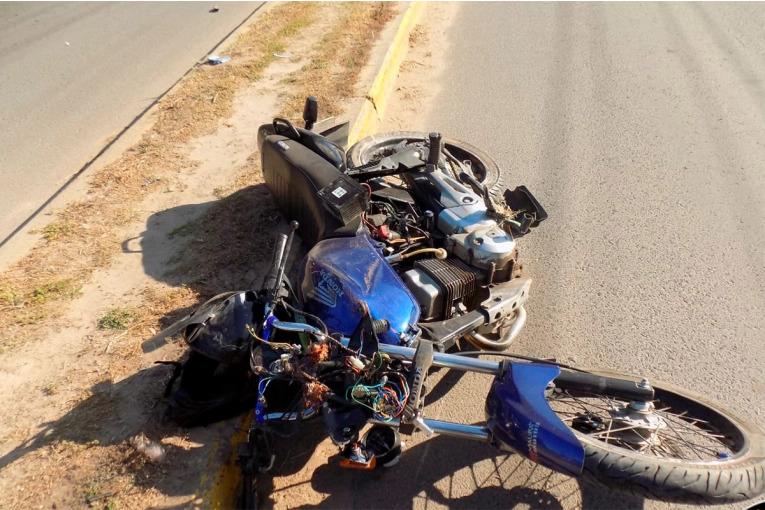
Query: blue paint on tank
[{"x": 339, "y": 274}]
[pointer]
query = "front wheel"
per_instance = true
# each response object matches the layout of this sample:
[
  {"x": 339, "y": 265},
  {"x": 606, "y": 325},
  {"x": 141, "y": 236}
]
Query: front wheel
[{"x": 680, "y": 447}]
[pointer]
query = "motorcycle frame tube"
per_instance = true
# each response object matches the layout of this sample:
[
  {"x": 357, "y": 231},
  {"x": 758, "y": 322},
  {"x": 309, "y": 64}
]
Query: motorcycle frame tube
[
  {"x": 510, "y": 336},
  {"x": 565, "y": 378},
  {"x": 439, "y": 359},
  {"x": 446, "y": 428},
  {"x": 444, "y": 360}
]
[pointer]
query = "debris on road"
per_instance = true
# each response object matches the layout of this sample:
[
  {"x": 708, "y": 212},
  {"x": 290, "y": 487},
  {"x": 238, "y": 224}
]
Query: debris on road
[
  {"x": 215, "y": 60},
  {"x": 152, "y": 450},
  {"x": 283, "y": 55},
  {"x": 214, "y": 9},
  {"x": 98, "y": 497},
  {"x": 149, "y": 182}
]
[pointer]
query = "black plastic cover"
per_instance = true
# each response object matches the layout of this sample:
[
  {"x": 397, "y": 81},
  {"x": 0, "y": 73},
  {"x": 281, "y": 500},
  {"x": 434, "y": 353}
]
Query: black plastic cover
[
  {"x": 317, "y": 143},
  {"x": 294, "y": 174},
  {"x": 223, "y": 337},
  {"x": 531, "y": 211},
  {"x": 343, "y": 423},
  {"x": 345, "y": 199}
]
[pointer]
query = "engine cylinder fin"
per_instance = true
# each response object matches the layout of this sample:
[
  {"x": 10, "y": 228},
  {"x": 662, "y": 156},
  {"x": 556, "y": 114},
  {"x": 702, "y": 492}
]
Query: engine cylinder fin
[{"x": 453, "y": 276}]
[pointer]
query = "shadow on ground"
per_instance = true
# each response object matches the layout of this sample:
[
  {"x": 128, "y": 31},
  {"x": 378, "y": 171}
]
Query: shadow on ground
[
  {"x": 105, "y": 422},
  {"x": 211, "y": 247},
  {"x": 432, "y": 471}
]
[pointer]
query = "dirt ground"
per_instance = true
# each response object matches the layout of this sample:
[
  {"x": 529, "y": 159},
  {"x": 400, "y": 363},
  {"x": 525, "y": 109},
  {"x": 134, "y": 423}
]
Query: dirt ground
[{"x": 80, "y": 395}]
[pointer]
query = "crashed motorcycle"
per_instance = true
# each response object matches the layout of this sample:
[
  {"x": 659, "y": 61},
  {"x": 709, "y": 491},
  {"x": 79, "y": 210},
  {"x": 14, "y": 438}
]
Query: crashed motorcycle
[{"x": 411, "y": 257}]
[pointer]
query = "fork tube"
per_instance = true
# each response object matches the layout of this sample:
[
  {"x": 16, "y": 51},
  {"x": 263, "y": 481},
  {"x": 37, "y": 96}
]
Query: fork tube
[
  {"x": 447, "y": 428},
  {"x": 441, "y": 359}
]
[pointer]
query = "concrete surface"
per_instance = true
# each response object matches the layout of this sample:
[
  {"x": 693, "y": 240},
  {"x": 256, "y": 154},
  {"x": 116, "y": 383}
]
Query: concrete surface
[
  {"x": 641, "y": 129},
  {"x": 75, "y": 74}
]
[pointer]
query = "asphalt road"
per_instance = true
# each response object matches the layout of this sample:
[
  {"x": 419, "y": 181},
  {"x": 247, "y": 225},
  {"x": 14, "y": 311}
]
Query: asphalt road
[
  {"x": 641, "y": 128},
  {"x": 75, "y": 74}
]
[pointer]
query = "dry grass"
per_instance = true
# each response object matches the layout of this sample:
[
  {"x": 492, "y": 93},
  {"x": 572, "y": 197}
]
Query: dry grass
[
  {"x": 107, "y": 477},
  {"x": 332, "y": 73},
  {"x": 85, "y": 235},
  {"x": 160, "y": 307}
]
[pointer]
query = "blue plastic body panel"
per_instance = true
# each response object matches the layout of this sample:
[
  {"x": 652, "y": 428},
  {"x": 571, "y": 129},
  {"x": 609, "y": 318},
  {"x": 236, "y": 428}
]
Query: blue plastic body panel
[
  {"x": 339, "y": 274},
  {"x": 518, "y": 415}
]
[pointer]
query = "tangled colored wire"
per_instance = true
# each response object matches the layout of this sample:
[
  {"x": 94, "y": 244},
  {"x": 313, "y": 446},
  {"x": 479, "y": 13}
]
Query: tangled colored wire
[{"x": 386, "y": 399}]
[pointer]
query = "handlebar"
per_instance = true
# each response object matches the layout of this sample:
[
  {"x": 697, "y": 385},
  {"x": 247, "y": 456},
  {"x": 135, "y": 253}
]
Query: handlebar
[{"x": 440, "y": 359}]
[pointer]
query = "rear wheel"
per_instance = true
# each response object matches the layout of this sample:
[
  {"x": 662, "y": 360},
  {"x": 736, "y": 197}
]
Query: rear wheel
[
  {"x": 680, "y": 447},
  {"x": 378, "y": 146}
]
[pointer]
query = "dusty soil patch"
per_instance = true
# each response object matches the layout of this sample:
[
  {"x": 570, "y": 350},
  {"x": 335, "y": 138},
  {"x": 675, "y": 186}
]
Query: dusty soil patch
[{"x": 188, "y": 197}]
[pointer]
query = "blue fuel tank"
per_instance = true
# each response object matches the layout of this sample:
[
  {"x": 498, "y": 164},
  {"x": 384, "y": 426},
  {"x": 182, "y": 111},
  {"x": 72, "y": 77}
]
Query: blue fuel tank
[{"x": 339, "y": 274}]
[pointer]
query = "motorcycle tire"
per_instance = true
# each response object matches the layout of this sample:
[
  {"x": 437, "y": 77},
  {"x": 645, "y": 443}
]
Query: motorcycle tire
[
  {"x": 485, "y": 169},
  {"x": 734, "y": 471}
]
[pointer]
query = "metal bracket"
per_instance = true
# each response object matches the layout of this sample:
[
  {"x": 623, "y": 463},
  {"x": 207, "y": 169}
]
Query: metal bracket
[
  {"x": 505, "y": 298},
  {"x": 405, "y": 161}
]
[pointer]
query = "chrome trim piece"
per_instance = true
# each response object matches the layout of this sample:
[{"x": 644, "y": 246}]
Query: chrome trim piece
[{"x": 447, "y": 428}]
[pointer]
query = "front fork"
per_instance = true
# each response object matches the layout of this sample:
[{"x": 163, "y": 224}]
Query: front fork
[
  {"x": 254, "y": 456},
  {"x": 519, "y": 418}
]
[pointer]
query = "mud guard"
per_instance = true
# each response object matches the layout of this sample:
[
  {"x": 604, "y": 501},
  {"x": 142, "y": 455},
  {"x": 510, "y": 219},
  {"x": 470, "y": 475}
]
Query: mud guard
[{"x": 519, "y": 417}]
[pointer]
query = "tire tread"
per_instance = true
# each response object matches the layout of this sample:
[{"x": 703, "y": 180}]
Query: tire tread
[{"x": 645, "y": 478}]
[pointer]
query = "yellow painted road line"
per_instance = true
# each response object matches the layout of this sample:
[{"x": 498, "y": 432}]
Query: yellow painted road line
[
  {"x": 373, "y": 110},
  {"x": 220, "y": 491}
]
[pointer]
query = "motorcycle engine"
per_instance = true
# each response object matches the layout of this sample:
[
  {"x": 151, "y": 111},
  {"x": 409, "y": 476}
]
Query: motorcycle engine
[{"x": 480, "y": 251}]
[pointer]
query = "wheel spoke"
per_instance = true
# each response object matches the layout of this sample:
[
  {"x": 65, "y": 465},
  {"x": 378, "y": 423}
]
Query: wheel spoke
[
  {"x": 683, "y": 435},
  {"x": 581, "y": 403},
  {"x": 684, "y": 425},
  {"x": 608, "y": 432},
  {"x": 693, "y": 446}
]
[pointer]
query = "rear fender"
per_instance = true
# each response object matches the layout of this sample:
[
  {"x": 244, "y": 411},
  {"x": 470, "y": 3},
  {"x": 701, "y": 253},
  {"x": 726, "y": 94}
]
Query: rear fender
[{"x": 520, "y": 418}]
